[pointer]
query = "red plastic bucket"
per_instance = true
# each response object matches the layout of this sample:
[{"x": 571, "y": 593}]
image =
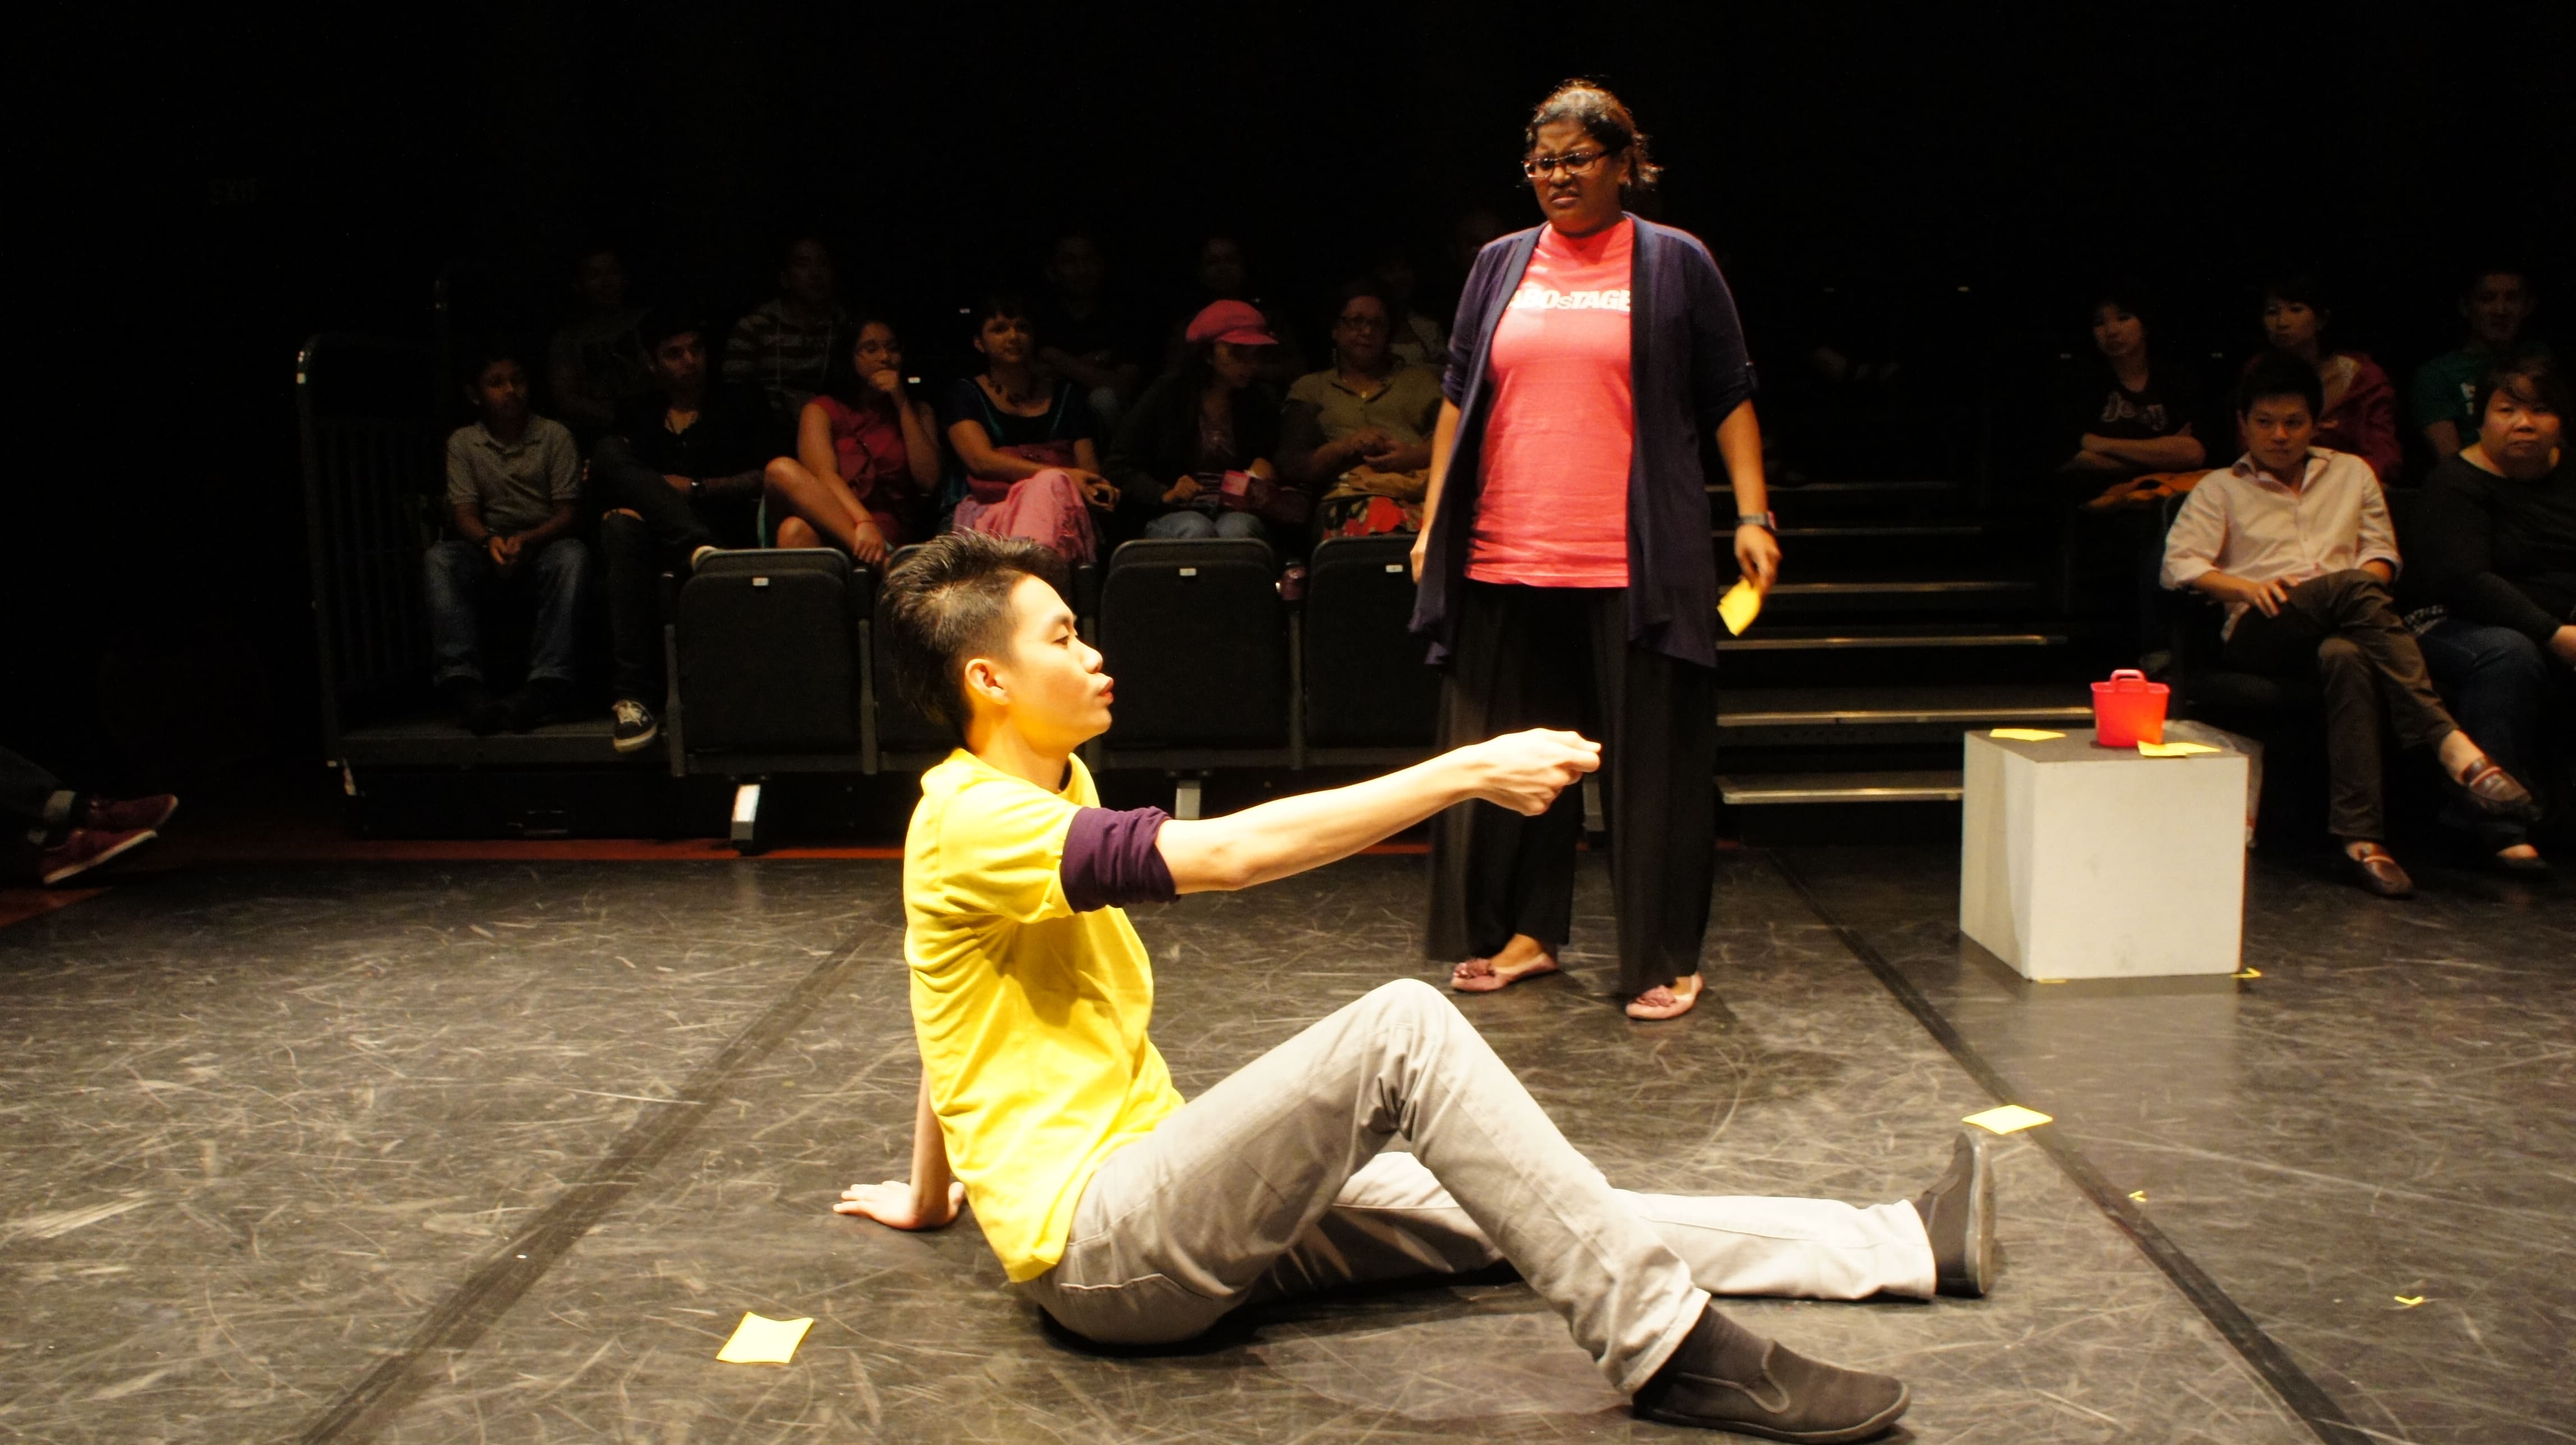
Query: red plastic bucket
[{"x": 2129, "y": 710}]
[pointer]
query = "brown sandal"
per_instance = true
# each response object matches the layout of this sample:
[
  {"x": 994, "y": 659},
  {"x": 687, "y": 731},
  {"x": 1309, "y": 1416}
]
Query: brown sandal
[
  {"x": 2496, "y": 792},
  {"x": 2378, "y": 873}
]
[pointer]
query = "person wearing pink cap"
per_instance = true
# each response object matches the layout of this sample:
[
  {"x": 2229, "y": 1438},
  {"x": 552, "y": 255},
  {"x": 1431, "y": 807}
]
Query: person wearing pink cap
[{"x": 1189, "y": 429}]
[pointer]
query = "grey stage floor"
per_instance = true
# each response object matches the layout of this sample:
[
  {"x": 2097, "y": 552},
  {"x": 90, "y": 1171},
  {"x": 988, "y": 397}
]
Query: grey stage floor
[{"x": 501, "y": 1152}]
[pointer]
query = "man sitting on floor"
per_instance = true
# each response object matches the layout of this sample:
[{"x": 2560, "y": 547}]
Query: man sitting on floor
[
  {"x": 1133, "y": 1217},
  {"x": 2296, "y": 540}
]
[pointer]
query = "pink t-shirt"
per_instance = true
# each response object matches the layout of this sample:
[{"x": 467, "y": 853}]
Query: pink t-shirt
[{"x": 1553, "y": 510}]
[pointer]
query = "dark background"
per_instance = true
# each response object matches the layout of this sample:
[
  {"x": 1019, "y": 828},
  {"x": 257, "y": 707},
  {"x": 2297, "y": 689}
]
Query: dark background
[{"x": 193, "y": 196}]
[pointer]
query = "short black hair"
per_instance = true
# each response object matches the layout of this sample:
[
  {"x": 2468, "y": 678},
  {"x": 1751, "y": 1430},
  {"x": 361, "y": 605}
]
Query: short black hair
[
  {"x": 2278, "y": 373},
  {"x": 482, "y": 355},
  {"x": 1355, "y": 289},
  {"x": 2497, "y": 266},
  {"x": 2127, "y": 293},
  {"x": 2301, "y": 288},
  {"x": 661, "y": 323},
  {"x": 949, "y": 602},
  {"x": 2532, "y": 380},
  {"x": 1000, "y": 302}
]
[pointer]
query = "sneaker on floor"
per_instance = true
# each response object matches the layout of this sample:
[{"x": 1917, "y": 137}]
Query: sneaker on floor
[
  {"x": 1778, "y": 1395},
  {"x": 125, "y": 815},
  {"x": 86, "y": 848},
  {"x": 1959, "y": 1217},
  {"x": 634, "y": 725},
  {"x": 475, "y": 708}
]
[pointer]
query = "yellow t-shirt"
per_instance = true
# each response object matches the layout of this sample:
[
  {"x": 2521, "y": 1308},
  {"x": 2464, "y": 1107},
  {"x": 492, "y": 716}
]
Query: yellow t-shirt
[{"x": 1031, "y": 1017}]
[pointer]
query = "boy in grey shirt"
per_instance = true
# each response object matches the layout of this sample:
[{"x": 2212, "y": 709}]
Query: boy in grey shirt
[{"x": 512, "y": 481}]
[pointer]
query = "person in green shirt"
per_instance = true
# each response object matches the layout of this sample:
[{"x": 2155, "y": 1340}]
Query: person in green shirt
[{"x": 2496, "y": 304}]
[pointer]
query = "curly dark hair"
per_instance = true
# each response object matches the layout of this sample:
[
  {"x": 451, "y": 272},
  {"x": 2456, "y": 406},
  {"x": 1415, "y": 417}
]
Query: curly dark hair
[{"x": 1605, "y": 118}]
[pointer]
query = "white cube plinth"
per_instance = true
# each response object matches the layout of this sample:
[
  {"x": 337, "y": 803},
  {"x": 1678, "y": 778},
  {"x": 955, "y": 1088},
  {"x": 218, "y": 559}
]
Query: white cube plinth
[{"x": 2079, "y": 861}]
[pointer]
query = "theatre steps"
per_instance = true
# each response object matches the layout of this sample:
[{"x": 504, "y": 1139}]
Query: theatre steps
[{"x": 1903, "y": 620}]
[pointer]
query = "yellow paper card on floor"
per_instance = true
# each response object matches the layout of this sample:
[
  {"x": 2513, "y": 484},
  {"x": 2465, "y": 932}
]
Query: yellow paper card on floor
[
  {"x": 1737, "y": 609},
  {"x": 2025, "y": 735},
  {"x": 2007, "y": 1119},
  {"x": 2173, "y": 750},
  {"x": 762, "y": 1341}
]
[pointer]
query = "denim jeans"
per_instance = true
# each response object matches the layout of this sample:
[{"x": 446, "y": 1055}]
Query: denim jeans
[
  {"x": 1197, "y": 525},
  {"x": 1275, "y": 1183},
  {"x": 461, "y": 580},
  {"x": 2496, "y": 682}
]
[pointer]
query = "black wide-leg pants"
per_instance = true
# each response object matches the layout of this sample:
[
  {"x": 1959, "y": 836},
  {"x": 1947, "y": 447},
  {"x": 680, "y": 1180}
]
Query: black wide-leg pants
[{"x": 1559, "y": 657}]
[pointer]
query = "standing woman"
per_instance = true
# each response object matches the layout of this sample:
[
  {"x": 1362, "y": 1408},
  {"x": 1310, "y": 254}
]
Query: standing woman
[
  {"x": 867, "y": 455},
  {"x": 1566, "y": 575}
]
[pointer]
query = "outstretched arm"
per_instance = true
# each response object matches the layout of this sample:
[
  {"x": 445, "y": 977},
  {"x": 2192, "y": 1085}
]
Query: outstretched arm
[
  {"x": 933, "y": 1197},
  {"x": 1521, "y": 771}
]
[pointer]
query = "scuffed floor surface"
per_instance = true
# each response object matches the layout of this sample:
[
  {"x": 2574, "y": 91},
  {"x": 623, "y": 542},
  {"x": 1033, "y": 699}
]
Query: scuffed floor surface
[{"x": 262, "y": 1124}]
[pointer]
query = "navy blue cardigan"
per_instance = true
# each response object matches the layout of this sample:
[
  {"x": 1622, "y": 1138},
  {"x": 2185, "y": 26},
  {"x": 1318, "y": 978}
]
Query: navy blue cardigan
[{"x": 1688, "y": 371}]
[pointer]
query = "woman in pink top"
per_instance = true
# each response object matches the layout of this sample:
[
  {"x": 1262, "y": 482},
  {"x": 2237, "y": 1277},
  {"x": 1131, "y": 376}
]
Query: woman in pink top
[
  {"x": 866, "y": 455},
  {"x": 1565, "y": 567}
]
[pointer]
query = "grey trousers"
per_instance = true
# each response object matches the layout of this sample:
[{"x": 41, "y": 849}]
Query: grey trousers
[{"x": 1273, "y": 1183}]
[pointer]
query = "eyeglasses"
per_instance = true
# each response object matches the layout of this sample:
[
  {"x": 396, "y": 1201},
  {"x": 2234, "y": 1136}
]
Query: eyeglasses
[
  {"x": 1573, "y": 165},
  {"x": 1360, "y": 323}
]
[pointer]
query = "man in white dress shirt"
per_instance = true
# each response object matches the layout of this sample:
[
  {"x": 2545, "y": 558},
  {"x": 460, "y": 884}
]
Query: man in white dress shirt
[{"x": 2296, "y": 540}]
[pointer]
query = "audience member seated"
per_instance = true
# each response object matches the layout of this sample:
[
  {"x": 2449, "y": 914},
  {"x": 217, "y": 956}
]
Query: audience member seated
[
  {"x": 513, "y": 479},
  {"x": 2134, "y": 413},
  {"x": 2295, "y": 540},
  {"x": 2495, "y": 564},
  {"x": 1026, "y": 443},
  {"x": 1224, "y": 273},
  {"x": 2497, "y": 303},
  {"x": 679, "y": 476},
  {"x": 56, "y": 834},
  {"x": 595, "y": 365},
  {"x": 1359, "y": 432},
  {"x": 1172, "y": 454},
  {"x": 786, "y": 346},
  {"x": 1087, "y": 338},
  {"x": 1417, "y": 339},
  {"x": 2360, "y": 414},
  {"x": 867, "y": 456}
]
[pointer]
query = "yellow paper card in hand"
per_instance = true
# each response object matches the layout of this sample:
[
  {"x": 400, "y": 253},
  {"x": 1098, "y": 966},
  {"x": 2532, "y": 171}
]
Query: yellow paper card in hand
[
  {"x": 1739, "y": 606},
  {"x": 2173, "y": 750},
  {"x": 2025, "y": 735},
  {"x": 2007, "y": 1119},
  {"x": 762, "y": 1341}
]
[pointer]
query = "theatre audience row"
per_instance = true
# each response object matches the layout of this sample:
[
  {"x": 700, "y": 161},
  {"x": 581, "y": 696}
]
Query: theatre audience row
[
  {"x": 2456, "y": 651},
  {"x": 705, "y": 461},
  {"x": 2140, "y": 411},
  {"x": 1078, "y": 430}
]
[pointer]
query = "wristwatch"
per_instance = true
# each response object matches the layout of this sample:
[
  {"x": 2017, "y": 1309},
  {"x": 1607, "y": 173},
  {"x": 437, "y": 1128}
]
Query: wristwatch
[
  {"x": 1763, "y": 520},
  {"x": 697, "y": 488}
]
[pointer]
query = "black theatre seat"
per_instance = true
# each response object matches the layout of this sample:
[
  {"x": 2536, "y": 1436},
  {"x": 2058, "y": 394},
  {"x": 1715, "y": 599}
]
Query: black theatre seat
[
  {"x": 1367, "y": 686},
  {"x": 1197, "y": 637},
  {"x": 766, "y": 675}
]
